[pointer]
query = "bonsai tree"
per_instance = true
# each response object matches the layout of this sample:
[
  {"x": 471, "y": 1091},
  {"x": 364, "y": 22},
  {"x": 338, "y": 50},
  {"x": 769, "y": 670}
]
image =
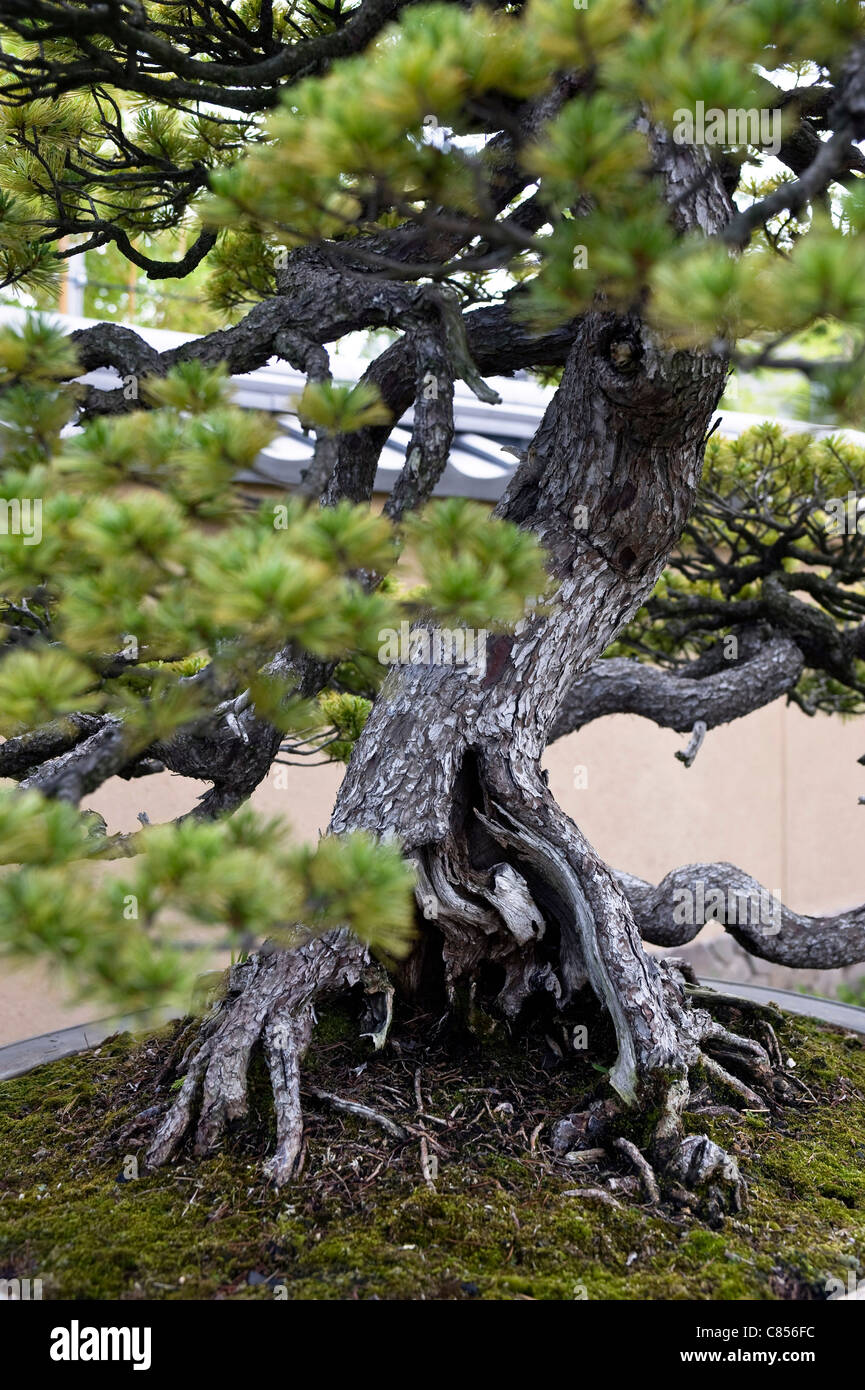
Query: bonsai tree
[{"x": 632, "y": 198}]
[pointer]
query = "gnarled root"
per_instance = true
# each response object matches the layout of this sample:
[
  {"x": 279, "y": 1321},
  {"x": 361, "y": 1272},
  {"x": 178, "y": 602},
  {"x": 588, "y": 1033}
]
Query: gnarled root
[
  {"x": 523, "y": 910},
  {"x": 702, "y": 1167},
  {"x": 270, "y": 998},
  {"x": 694, "y": 1169},
  {"x": 663, "y": 1040},
  {"x": 690, "y": 1171}
]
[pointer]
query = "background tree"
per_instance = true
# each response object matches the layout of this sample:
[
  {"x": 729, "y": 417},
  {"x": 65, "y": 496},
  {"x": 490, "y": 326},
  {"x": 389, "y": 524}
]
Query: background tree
[{"x": 501, "y": 189}]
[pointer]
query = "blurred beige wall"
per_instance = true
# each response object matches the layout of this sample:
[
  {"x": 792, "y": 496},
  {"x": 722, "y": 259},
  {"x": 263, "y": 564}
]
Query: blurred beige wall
[{"x": 775, "y": 793}]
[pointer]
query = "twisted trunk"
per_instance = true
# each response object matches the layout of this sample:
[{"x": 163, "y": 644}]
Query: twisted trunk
[
  {"x": 450, "y": 761},
  {"x": 513, "y": 902}
]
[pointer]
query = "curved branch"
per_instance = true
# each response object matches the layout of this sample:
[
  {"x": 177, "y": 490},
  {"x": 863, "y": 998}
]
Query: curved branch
[
  {"x": 336, "y": 304},
  {"x": 157, "y": 270},
  {"x": 114, "y": 345},
  {"x": 675, "y": 911},
  {"x": 620, "y": 685},
  {"x": 847, "y": 120},
  {"x": 69, "y": 766},
  {"x": 143, "y": 60}
]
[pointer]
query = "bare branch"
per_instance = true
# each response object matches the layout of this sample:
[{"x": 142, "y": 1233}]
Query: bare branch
[
  {"x": 675, "y": 911},
  {"x": 673, "y": 701},
  {"x": 847, "y": 120}
]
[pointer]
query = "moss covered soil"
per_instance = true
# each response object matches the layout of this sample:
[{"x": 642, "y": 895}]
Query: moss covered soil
[{"x": 499, "y": 1219}]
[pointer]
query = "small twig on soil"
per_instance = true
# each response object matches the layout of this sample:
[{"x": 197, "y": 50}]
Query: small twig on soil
[
  {"x": 585, "y": 1155},
  {"x": 799, "y": 1085},
  {"x": 643, "y": 1167},
  {"x": 773, "y": 1047},
  {"x": 362, "y": 1112},
  {"x": 190, "y": 1203},
  {"x": 428, "y": 1165},
  {"x": 596, "y": 1194}
]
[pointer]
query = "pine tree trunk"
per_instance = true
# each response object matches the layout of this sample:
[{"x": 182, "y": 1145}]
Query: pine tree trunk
[
  {"x": 450, "y": 761},
  {"x": 513, "y": 902}
]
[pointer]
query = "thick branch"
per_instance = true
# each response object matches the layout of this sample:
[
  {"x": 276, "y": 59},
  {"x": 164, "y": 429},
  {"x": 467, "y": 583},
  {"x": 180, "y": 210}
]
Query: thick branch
[
  {"x": 675, "y": 911},
  {"x": 29, "y": 750},
  {"x": 622, "y": 686}
]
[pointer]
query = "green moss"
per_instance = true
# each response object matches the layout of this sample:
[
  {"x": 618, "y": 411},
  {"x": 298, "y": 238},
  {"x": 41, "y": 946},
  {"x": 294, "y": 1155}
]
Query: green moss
[
  {"x": 361, "y": 1223},
  {"x": 336, "y": 1025}
]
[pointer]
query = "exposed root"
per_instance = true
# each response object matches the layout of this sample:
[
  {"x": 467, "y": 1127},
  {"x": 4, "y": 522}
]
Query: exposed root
[
  {"x": 523, "y": 909},
  {"x": 700, "y": 1166},
  {"x": 762, "y": 1016},
  {"x": 690, "y": 1170},
  {"x": 269, "y": 999},
  {"x": 644, "y": 1169},
  {"x": 488, "y": 918},
  {"x": 717, "y": 1073},
  {"x": 179, "y": 1117},
  {"x": 553, "y": 877},
  {"x": 286, "y": 1039},
  {"x": 744, "y": 1050}
]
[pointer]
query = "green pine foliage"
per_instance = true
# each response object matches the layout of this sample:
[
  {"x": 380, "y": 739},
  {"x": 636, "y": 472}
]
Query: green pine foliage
[
  {"x": 148, "y": 571},
  {"x": 346, "y": 715},
  {"x": 354, "y": 141},
  {"x": 123, "y": 939}
]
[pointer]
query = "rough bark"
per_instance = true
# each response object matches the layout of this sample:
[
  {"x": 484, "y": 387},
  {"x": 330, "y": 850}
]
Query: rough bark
[
  {"x": 450, "y": 761},
  {"x": 269, "y": 1000},
  {"x": 678, "y": 699},
  {"x": 515, "y": 900},
  {"x": 750, "y": 913}
]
